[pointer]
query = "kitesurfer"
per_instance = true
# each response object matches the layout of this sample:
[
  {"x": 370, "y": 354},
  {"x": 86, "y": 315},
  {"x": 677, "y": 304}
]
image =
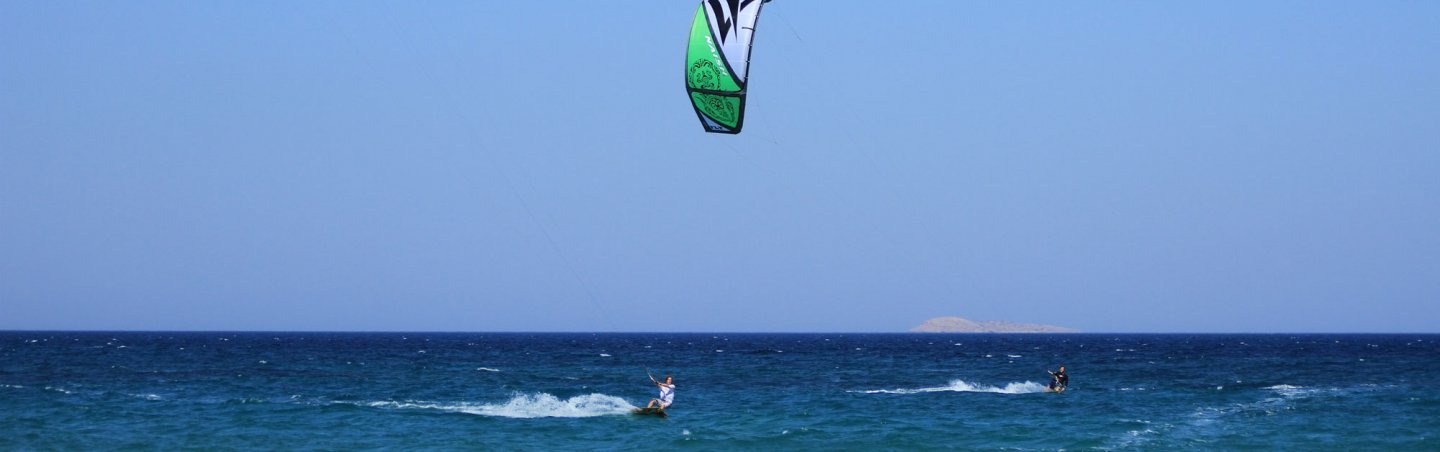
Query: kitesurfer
[
  {"x": 1059, "y": 380},
  {"x": 667, "y": 393}
]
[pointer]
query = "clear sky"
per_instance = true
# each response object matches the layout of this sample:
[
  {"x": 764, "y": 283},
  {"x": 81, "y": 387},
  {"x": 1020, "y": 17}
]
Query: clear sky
[{"x": 1215, "y": 166}]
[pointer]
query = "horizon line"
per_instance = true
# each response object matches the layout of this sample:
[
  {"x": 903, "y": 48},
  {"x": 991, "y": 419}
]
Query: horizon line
[{"x": 701, "y": 332}]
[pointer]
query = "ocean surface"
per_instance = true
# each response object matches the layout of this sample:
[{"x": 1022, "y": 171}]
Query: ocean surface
[{"x": 161, "y": 390}]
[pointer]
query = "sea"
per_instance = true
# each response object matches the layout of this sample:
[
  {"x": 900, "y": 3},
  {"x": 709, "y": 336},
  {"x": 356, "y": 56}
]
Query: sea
[{"x": 575, "y": 391}]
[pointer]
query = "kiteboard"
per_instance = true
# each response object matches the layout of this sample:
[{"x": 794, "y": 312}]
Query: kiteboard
[{"x": 657, "y": 412}]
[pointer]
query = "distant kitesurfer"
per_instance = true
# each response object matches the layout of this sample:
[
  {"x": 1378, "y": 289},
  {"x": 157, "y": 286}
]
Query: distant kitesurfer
[
  {"x": 1058, "y": 380},
  {"x": 667, "y": 393}
]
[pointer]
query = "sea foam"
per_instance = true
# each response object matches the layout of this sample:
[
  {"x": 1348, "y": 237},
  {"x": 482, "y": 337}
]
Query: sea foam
[
  {"x": 526, "y": 406},
  {"x": 1293, "y": 391},
  {"x": 1027, "y": 387}
]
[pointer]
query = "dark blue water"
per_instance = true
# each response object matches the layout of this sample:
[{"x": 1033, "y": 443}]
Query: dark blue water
[{"x": 78, "y": 391}]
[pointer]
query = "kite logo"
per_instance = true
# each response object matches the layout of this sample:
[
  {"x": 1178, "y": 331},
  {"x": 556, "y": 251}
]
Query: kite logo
[
  {"x": 714, "y": 52},
  {"x": 725, "y": 15}
]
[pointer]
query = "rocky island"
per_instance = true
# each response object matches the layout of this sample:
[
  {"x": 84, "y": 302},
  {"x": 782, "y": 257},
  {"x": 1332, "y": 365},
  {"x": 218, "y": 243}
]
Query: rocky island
[{"x": 959, "y": 325}]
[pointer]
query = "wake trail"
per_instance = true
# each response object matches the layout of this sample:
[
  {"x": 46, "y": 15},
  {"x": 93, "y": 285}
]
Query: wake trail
[
  {"x": 525, "y": 406},
  {"x": 1027, "y": 387}
]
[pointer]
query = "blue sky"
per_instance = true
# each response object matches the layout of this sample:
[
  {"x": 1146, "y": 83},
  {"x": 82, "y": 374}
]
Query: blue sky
[{"x": 536, "y": 166}]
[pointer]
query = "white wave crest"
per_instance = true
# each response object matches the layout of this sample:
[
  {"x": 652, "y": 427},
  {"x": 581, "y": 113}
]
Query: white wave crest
[
  {"x": 1026, "y": 387},
  {"x": 1290, "y": 391},
  {"x": 526, "y": 406}
]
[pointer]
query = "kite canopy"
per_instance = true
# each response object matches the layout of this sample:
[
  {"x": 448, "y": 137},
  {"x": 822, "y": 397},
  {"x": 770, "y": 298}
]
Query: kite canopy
[{"x": 717, "y": 62}]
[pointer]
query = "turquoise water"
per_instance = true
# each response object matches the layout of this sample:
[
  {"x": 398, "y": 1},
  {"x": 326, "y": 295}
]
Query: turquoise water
[{"x": 100, "y": 390}]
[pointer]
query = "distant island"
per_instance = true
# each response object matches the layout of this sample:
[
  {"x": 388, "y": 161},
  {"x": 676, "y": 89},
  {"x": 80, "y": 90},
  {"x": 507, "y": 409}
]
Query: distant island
[{"x": 959, "y": 325}]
